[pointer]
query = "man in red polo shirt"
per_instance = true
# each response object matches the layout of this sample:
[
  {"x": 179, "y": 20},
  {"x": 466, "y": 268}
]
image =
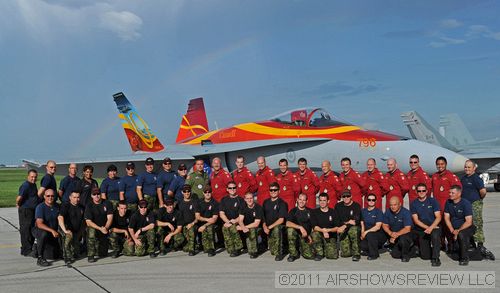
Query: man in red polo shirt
[
  {"x": 376, "y": 183},
  {"x": 396, "y": 182},
  {"x": 351, "y": 180},
  {"x": 219, "y": 178},
  {"x": 415, "y": 176},
  {"x": 245, "y": 182},
  {"x": 264, "y": 177},
  {"x": 289, "y": 184},
  {"x": 309, "y": 183},
  {"x": 330, "y": 184},
  {"x": 442, "y": 181}
]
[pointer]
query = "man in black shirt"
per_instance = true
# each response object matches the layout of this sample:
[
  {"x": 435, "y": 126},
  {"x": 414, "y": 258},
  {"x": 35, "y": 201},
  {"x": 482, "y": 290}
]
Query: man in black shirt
[
  {"x": 168, "y": 230},
  {"x": 26, "y": 202},
  {"x": 86, "y": 185},
  {"x": 324, "y": 233},
  {"x": 188, "y": 208},
  {"x": 229, "y": 213},
  {"x": 120, "y": 237},
  {"x": 142, "y": 230},
  {"x": 299, "y": 228},
  {"x": 98, "y": 216},
  {"x": 71, "y": 227},
  {"x": 249, "y": 223},
  {"x": 349, "y": 215},
  {"x": 207, "y": 218},
  {"x": 275, "y": 213}
]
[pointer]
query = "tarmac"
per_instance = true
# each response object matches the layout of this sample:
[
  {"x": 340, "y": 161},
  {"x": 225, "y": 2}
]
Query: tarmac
[{"x": 178, "y": 272}]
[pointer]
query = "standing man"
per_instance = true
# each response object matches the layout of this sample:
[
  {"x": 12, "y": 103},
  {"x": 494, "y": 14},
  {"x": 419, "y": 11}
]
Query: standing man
[
  {"x": 229, "y": 213},
  {"x": 67, "y": 184},
  {"x": 188, "y": 208},
  {"x": 251, "y": 215},
  {"x": 351, "y": 181},
  {"x": 348, "y": 214},
  {"x": 264, "y": 177},
  {"x": 48, "y": 180},
  {"x": 324, "y": 233},
  {"x": 417, "y": 176},
  {"x": 396, "y": 181},
  {"x": 275, "y": 213},
  {"x": 243, "y": 178},
  {"x": 474, "y": 192},
  {"x": 219, "y": 178},
  {"x": 46, "y": 225},
  {"x": 26, "y": 202},
  {"x": 329, "y": 183},
  {"x": 207, "y": 216},
  {"x": 289, "y": 185},
  {"x": 308, "y": 181},
  {"x": 146, "y": 185},
  {"x": 458, "y": 219},
  {"x": 175, "y": 188},
  {"x": 120, "y": 238},
  {"x": 372, "y": 235},
  {"x": 86, "y": 185},
  {"x": 98, "y": 216},
  {"x": 397, "y": 224},
  {"x": 71, "y": 227},
  {"x": 165, "y": 177},
  {"x": 375, "y": 183},
  {"x": 142, "y": 230},
  {"x": 128, "y": 187},
  {"x": 299, "y": 228},
  {"x": 198, "y": 179},
  {"x": 109, "y": 187},
  {"x": 426, "y": 215},
  {"x": 168, "y": 230}
]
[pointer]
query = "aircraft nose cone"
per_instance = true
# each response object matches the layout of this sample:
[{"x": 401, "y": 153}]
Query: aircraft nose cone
[{"x": 457, "y": 164}]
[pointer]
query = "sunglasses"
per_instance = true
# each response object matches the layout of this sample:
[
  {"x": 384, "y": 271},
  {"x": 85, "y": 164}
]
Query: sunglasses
[
  {"x": 345, "y": 196},
  {"x": 143, "y": 207},
  {"x": 231, "y": 188},
  {"x": 186, "y": 191},
  {"x": 273, "y": 190},
  {"x": 207, "y": 192},
  {"x": 420, "y": 191},
  {"x": 95, "y": 194},
  {"x": 371, "y": 200},
  {"x": 49, "y": 195},
  {"x": 413, "y": 162}
]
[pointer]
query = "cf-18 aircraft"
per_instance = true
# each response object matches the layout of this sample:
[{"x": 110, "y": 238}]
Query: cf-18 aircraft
[
  {"x": 454, "y": 136},
  {"x": 311, "y": 133}
]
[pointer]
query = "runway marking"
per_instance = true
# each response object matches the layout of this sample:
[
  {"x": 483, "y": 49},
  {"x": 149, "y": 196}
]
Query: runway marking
[
  {"x": 9, "y": 245},
  {"x": 8, "y": 222},
  {"x": 90, "y": 279}
]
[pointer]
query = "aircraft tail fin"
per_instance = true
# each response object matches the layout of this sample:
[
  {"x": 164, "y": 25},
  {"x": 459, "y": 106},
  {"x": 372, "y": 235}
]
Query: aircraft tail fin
[
  {"x": 139, "y": 135},
  {"x": 421, "y": 130},
  {"x": 194, "y": 122},
  {"x": 453, "y": 129}
]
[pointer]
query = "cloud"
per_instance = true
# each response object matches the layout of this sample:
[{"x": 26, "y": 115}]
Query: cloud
[
  {"x": 450, "y": 23},
  {"x": 125, "y": 24},
  {"x": 406, "y": 34},
  {"x": 338, "y": 89},
  {"x": 445, "y": 41},
  {"x": 478, "y": 31}
]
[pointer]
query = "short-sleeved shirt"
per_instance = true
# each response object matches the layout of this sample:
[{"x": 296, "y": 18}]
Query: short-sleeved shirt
[
  {"x": 425, "y": 210},
  {"x": 274, "y": 210},
  {"x": 188, "y": 210},
  {"x": 172, "y": 218},
  {"x": 110, "y": 188},
  {"x": 471, "y": 186},
  {"x": 49, "y": 182},
  {"x": 346, "y": 213},
  {"x": 302, "y": 218},
  {"x": 324, "y": 219},
  {"x": 85, "y": 189},
  {"x": 98, "y": 213},
  {"x": 73, "y": 216},
  {"x": 164, "y": 179},
  {"x": 371, "y": 218},
  {"x": 128, "y": 185},
  {"x": 398, "y": 221},
  {"x": 29, "y": 194},
  {"x": 67, "y": 186},
  {"x": 251, "y": 214},
  {"x": 176, "y": 187},
  {"x": 231, "y": 206},
  {"x": 138, "y": 221},
  {"x": 120, "y": 222},
  {"x": 148, "y": 183},
  {"x": 47, "y": 214},
  {"x": 208, "y": 209},
  {"x": 458, "y": 211}
]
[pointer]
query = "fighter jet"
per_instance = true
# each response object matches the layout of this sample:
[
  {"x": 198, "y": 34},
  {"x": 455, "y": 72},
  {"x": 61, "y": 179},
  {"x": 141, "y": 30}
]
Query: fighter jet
[
  {"x": 312, "y": 133},
  {"x": 454, "y": 136}
]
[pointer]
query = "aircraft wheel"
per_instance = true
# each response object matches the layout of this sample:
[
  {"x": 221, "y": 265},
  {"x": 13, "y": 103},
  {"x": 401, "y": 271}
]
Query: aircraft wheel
[{"x": 497, "y": 187}]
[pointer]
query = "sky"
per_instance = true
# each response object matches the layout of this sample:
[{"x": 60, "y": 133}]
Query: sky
[{"x": 364, "y": 61}]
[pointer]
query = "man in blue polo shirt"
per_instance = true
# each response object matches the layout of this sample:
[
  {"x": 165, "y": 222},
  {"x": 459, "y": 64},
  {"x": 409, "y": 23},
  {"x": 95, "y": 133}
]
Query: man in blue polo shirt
[
  {"x": 426, "y": 215},
  {"x": 48, "y": 180},
  {"x": 474, "y": 191},
  {"x": 68, "y": 183},
  {"x": 372, "y": 234},
  {"x": 397, "y": 224},
  {"x": 46, "y": 225},
  {"x": 146, "y": 185},
  {"x": 109, "y": 187},
  {"x": 458, "y": 218},
  {"x": 128, "y": 187},
  {"x": 26, "y": 202},
  {"x": 175, "y": 188},
  {"x": 165, "y": 177}
]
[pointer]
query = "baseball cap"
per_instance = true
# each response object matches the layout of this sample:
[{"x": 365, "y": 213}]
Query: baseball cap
[
  {"x": 149, "y": 161},
  {"x": 169, "y": 202},
  {"x": 130, "y": 165},
  {"x": 112, "y": 168},
  {"x": 96, "y": 190},
  {"x": 182, "y": 167},
  {"x": 143, "y": 203},
  {"x": 207, "y": 188},
  {"x": 346, "y": 193},
  {"x": 186, "y": 187},
  {"x": 167, "y": 160}
]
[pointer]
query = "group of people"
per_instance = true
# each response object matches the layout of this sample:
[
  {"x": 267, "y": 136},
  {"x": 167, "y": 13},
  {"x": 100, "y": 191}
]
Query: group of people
[{"x": 164, "y": 211}]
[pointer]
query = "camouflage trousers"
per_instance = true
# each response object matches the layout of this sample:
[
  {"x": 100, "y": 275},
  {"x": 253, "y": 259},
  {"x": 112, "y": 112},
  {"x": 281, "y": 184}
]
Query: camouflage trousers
[
  {"x": 275, "y": 240},
  {"x": 208, "y": 238},
  {"x": 120, "y": 244},
  {"x": 304, "y": 247},
  {"x": 152, "y": 202},
  {"x": 251, "y": 238},
  {"x": 132, "y": 207},
  {"x": 190, "y": 235},
  {"x": 97, "y": 243},
  {"x": 176, "y": 242},
  {"x": 71, "y": 243},
  {"x": 232, "y": 239},
  {"x": 349, "y": 242},
  {"x": 325, "y": 246},
  {"x": 147, "y": 243},
  {"x": 477, "y": 219}
]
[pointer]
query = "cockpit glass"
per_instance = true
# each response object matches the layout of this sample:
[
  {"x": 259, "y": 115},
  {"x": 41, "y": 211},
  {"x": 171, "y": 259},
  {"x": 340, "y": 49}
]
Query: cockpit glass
[{"x": 311, "y": 117}]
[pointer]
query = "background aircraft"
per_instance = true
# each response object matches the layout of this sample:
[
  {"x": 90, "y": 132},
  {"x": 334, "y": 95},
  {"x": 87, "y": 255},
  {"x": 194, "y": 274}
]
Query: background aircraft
[
  {"x": 311, "y": 133},
  {"x": 454, "y": 136}
]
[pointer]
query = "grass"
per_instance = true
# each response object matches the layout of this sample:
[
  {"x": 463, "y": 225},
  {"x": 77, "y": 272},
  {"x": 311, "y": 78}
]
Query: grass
[{"x": 11, "y": 180}]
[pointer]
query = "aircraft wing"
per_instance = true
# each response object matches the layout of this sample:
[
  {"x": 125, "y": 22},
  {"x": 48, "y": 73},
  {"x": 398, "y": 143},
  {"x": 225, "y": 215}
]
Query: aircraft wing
[{"x": 484, "y": 159}]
